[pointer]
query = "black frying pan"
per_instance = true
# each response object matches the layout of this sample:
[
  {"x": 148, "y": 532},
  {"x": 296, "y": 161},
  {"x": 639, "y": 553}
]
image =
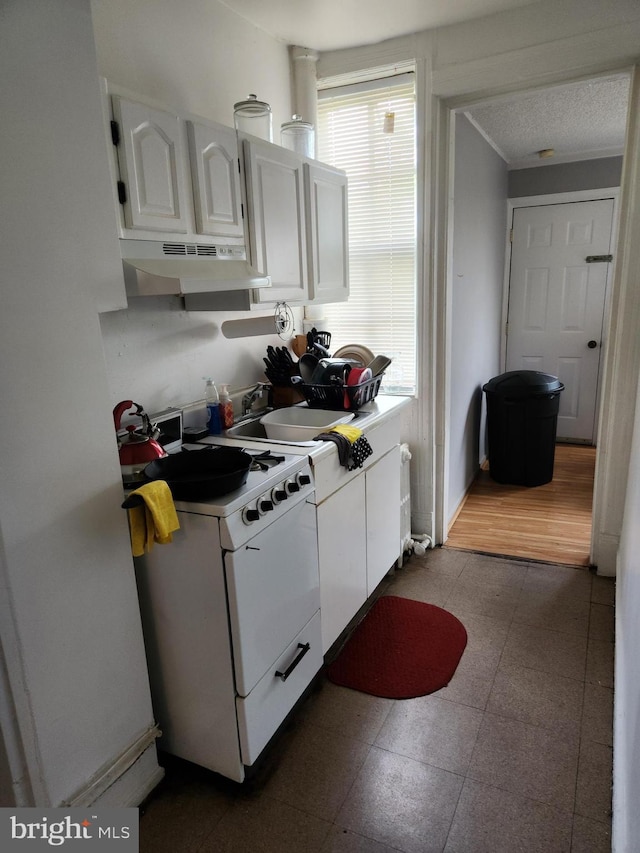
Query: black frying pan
[{"x": 201, "y": 474}]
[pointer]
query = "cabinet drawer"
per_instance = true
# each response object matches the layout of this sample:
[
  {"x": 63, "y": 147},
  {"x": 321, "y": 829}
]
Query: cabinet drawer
[{"x": 264, "y": 709}]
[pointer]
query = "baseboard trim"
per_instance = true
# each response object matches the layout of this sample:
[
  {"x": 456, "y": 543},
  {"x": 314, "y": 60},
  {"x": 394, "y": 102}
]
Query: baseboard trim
[
  {"x": 123, "y": 780},
  {"x": 484, "y": 466}
]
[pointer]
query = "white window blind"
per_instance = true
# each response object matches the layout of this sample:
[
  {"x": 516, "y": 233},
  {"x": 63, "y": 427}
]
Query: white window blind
[{"x": 369, "y": 131}]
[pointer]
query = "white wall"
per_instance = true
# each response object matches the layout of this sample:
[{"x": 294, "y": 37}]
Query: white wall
[
  {"x": 627, "y": 685},
  {"x": 69, "y": 621},
  {"x": 201, "y": 58},
  {"x": 479, "y": 229},
  {"x": 78, "y": 692},
  {"x": 602, "y": 173},
  {"x": 196, "y": 55}
]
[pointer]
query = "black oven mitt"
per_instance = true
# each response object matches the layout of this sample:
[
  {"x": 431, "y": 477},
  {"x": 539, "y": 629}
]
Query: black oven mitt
[{"x": 351, "y": 454}]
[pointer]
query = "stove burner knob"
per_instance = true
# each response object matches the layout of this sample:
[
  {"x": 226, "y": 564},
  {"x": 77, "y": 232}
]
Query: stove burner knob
[
  {"x": 278, "y": 495},
  {"x": 264, "y": 506},
  {"x": 249, "y": 515},
  {"x": 291, "y": 487},
  {"x": 303, "y": 479}
]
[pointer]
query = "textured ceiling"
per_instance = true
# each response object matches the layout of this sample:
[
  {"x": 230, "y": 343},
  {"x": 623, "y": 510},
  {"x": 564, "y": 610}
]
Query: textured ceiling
[{"x": 579, "y": 121}]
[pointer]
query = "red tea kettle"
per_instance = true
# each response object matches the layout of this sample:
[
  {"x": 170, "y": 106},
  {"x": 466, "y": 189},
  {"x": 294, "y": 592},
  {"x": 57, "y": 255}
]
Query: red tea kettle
[{"x": 139, "y": 446}]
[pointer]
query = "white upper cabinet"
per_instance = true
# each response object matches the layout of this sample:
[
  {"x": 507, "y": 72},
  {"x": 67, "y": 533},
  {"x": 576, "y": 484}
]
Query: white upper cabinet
[
  {"x": 213, "y": 155},
  {"x": 298, "y": 229},
  {"x": 183, "y": 179},
  {"x": 327, "y": 233},
  {"x": 277, "y": 226},
  {"x": 178, "y": 176},
  {"x": 151, "y": 163}
]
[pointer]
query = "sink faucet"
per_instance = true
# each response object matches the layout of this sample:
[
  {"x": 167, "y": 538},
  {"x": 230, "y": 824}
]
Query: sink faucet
[{"x": 251, "y": 396}]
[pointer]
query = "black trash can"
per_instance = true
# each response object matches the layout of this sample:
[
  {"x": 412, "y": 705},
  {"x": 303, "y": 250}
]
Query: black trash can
[{"x": 522, "y": 417}]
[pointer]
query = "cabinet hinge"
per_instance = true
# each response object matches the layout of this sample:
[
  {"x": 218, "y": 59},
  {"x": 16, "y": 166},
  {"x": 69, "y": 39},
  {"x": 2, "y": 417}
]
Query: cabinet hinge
[
  {"x": 506, "y": 330},
  {"x": 511, "y": 235},
  {"x": 242, "y": 210},
  {"x": 122, "y": 192},
  {"x": 115, "y": 132}
]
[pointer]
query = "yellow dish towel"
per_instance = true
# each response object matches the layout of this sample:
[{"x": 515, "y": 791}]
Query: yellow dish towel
[
  {"x": 351, "y": 433},
  {"x": 154, "y": 520}
]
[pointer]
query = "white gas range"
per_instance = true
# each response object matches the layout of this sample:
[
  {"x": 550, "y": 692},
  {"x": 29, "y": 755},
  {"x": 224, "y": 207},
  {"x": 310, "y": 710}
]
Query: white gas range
[
  {"x": 231, "y": 615},
  {"x": 276, "y": 481}
]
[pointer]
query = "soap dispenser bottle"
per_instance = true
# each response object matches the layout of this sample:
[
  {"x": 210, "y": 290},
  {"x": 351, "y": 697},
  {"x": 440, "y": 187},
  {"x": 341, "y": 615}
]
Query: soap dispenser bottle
[
  {"x": 212, "y": 402},
  {"x": 226, "y": 408}
]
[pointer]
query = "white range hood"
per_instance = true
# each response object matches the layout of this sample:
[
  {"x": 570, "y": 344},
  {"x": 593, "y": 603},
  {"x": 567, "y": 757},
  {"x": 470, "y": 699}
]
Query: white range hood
[{"x": 155, "y": 268}]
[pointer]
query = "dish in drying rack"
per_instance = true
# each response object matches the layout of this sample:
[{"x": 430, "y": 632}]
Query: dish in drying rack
[{"x": 355, "y": 352}]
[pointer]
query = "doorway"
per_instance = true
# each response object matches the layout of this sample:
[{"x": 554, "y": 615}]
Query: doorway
[{"x": 452, "y": 451}]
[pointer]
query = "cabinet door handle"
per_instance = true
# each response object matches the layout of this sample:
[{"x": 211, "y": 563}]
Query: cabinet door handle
[{"x": 294, "y": 663}]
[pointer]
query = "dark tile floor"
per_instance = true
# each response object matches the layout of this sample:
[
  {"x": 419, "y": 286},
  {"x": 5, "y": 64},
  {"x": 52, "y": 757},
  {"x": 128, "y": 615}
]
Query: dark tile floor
[{"x": 513, "y": 756}]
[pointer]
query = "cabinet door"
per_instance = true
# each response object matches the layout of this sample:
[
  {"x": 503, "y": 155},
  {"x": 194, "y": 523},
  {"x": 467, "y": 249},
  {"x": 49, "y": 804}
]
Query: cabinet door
[
  {"x": 327, "y": 233},
  {"x": 151, "y": 162},
  {"x": 342, "y": 550},
  {"x": 213, "y": 155},
  {"x": 275, "y": 200},
  {"x": 383, "y": 517}
]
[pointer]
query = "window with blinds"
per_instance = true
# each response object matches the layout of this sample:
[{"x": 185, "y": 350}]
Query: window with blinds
[{"x": 369, "y": 131}]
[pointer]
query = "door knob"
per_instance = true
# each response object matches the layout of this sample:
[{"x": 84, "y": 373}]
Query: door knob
[{"x": 592, "y": 344}]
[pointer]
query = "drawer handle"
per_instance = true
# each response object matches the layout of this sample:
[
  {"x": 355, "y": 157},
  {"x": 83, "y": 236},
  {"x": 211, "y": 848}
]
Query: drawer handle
[{"x": 294, "y": 663}]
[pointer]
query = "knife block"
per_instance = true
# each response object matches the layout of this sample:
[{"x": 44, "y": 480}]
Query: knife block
[{"x": 282, "y": 397}]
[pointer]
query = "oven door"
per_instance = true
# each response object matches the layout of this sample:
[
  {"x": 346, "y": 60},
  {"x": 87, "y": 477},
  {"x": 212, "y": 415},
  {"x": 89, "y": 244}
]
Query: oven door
[{"x": 273, "y": 591}]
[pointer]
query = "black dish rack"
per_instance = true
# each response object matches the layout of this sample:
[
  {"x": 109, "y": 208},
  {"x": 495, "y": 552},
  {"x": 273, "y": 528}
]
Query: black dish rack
[{"x": 341, "y": 397}]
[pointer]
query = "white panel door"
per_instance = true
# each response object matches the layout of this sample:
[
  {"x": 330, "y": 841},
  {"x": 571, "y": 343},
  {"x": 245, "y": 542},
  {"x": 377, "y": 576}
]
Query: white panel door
[
  {"x": 151, "y": 161},
  {"x": 213, "y": 151},
  {"x": 556, "y": 303}
]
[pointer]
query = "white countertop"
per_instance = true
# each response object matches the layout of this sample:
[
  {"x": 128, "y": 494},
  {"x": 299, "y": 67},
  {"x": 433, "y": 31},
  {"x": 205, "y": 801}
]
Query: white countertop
[{"x": 379, "y": 410}]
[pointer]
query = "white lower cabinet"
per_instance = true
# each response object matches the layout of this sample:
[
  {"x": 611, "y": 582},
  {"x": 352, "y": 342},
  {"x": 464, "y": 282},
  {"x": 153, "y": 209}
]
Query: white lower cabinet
[
  {"x": 358, "y": 541},
  {"x": 342, "y": 549},
  {"x": 382, "y": 494}
]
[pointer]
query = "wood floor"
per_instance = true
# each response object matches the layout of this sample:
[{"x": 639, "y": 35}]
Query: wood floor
[{"x": 551, "y": 523}]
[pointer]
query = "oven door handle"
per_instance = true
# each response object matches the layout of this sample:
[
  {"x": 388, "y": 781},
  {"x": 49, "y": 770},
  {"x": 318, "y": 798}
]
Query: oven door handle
[{"x": 304, "y": 647}]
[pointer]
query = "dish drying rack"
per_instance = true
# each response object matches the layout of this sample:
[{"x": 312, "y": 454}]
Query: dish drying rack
[{"x": 341, "y": 397}]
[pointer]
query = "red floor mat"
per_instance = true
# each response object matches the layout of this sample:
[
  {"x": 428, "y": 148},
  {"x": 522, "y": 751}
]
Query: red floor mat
[{"x": 401, "y": 649}]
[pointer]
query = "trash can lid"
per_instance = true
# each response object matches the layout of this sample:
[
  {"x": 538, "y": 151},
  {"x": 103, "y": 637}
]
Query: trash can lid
[{"x": 523, "y": 383}]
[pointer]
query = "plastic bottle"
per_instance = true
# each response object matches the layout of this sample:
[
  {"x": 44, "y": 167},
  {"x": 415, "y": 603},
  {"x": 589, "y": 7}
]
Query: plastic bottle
[
  {"x": 226, "y": 408},
  {"x": 212, "y": 402}
]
